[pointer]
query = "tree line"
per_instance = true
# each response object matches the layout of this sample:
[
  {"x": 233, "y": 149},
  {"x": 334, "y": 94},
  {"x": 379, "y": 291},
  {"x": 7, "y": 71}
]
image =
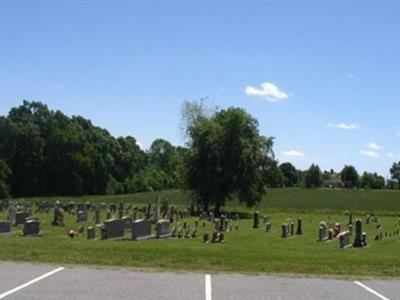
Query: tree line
[{"x": 46, "y": 153}]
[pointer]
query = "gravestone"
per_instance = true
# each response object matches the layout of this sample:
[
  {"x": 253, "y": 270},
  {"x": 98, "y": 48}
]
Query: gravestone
[
  {"x": 285, "y": 230},
  {"x": 268, "y": 227},
  {"x": 163, "y": 228},
  {"x": 81, "y": 217},
  {"x": 299, "y": 230},
  {"x": 97, "y": 216},
  {"x": 344, "y": 240},
  {"x": 358, "y": 241},
  {"x": 5, "y": 228},
  {"x": 20, "y": 217},
  {"x": 291, "y": 228},
  {"x": 323, "y": 232},
  {"x": 256, "y": 220},
  {"x": 350, "y": 218},
  {"x": 141, "y": 230},
  {"x": 112, "y": 229},
  {"x": 91, "y": 233},
  {"x": 31, "y": 228},
  {"x": 58, "y": 218}
]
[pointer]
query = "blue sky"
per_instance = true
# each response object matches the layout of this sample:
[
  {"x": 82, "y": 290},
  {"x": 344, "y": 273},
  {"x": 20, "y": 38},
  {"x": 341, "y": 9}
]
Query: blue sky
[{"x": 323, "y": 79}]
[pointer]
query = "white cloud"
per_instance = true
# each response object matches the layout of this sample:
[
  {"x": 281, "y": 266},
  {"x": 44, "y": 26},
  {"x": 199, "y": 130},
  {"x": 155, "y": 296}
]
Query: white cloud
[
  {"x": 351, "y": 76},
  {"x": 268, "y": 91},
  {"x": 293, "y": 153},
  {"x": 390, "y": 155},
  {"x": 375, "y": 146},
  {"x": 369, "y": 153},
  {"x": 344, "y": 126}
]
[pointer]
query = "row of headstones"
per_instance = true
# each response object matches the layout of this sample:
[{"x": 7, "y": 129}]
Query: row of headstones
[
  {"x": 288, "y": 229},
  {"x": 141, "y": 229},
  {"x": 31, "y": 227},
  {"x": 344, "y": 237},
  {"x": 385, "y": 235}
]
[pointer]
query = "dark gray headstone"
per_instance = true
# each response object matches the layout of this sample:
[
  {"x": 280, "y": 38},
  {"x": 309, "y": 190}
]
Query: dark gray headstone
[
  {"x": 5, "y": 227},
  {"x": 141, "y": 229},
  {"x": 299, "y": 230},
  {"x": 81, "y": 217},
  {"x": 112, "y": 229},
  {"x": 31, "y": 227},
  {"x": 20, "y": 217},
  {"x": 256, "y": 220},
  {"x": 91, "y": 233},
  {"x": 358, "y": 241},
  {"x": 163, "y": 229}
]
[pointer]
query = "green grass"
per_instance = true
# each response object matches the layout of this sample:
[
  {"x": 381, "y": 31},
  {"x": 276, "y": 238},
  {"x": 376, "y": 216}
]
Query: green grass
[{"x": 245, "y": 250}]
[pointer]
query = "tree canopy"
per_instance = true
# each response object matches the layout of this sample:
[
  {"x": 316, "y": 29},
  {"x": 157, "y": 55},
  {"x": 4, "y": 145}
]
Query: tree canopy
[
  {"x": 50, "y": 153},
  {"x": 350, "y": 177},
  {"x": 225, "y": 158}
]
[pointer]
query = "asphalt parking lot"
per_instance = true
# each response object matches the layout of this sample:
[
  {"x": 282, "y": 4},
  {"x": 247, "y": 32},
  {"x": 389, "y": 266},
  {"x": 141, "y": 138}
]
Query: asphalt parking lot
[{"x": 42, "y": 281}]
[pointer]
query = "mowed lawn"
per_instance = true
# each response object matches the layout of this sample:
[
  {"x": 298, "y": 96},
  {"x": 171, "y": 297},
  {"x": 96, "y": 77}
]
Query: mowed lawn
[{"x": 245, "y": 250}]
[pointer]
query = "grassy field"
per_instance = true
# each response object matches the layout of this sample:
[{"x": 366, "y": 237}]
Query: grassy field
[{"x": 245, "y": 250}]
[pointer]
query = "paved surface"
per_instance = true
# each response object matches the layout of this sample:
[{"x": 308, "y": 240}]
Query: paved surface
[{"x": 36, "y": 281}]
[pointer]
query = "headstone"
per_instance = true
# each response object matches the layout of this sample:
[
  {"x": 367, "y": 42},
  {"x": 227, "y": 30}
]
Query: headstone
[
  {"x": 112, "y": 229},
  {"x": 141, "y": 229},
  {"x": 31, "y": 227},
  {"x": 256, "y": 220},
  {"x": 20, "y": 217},
  {"x": 163, "y": 228},
  {"x": 81, "y": 217},
  {"x": 91, "y": 233},
  {"x": 344, "y": 240},
  {"x": 285, "y": 230},
  {"x": 299, "y": 230},
  {"x": 323, "y": 232},
  {"x": 97, "y": 216},
  {"x": 5, "y": 228},
  {"x": 291, "y": 228},
  {"x": 350, "y": 218},
  {"x": 58, "y": 219},
  {"x": 358, "y": 241},
  {"x": 268, "y": 227}
]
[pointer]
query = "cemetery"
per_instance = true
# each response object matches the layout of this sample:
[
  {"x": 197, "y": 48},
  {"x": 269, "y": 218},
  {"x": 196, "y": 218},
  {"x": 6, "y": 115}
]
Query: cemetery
[{"x": 156, "y": 231}]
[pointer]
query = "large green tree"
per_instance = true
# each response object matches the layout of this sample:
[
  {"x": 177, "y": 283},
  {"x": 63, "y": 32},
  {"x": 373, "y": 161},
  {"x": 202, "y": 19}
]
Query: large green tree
[
  {"x": 225, "y": 157},
  {"x": 350, "y": 177},
  {"x": 372, "y": 181},
  {"x": 53, "y": 154},
  {"x": 290, "y": 174},
  {"x": 395, "y": 172},
  {"x": 313, "y": 177}
]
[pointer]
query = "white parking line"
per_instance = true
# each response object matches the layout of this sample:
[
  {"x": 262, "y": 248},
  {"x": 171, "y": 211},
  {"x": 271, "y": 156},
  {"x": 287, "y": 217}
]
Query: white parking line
[
  {"x": 2, "y": 296},
  {"x": 371, "y": 290},
  {"x": 208, "y": 287}
]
